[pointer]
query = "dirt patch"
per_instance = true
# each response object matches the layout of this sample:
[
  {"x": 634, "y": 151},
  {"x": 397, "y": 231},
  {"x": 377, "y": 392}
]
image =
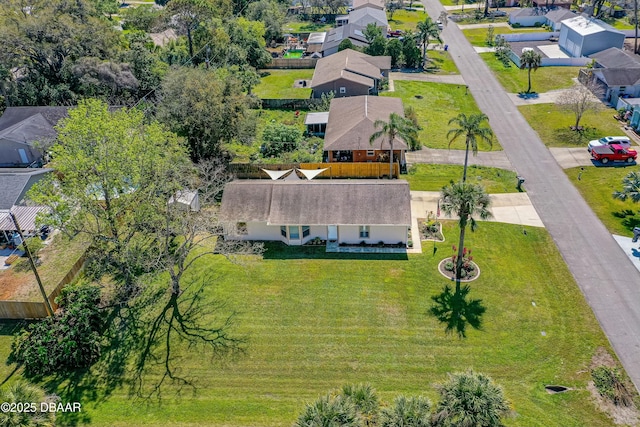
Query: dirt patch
[{"x": 620, "y": 415}]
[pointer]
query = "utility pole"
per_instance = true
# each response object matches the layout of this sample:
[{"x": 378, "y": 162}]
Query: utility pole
[{"x": 47, "y": 303}]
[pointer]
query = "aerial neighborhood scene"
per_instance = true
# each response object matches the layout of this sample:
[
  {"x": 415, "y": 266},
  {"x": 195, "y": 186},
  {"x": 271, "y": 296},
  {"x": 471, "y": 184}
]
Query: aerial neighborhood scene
[{"x": 319, "y": 213}]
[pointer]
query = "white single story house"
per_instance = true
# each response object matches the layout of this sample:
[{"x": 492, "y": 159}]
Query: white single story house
[{"x": 295, "y": 211}]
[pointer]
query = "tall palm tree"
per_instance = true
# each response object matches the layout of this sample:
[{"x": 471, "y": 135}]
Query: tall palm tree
[
  {"x": 470, "y": 399},
  {"x": 630, "y": 188},
  {"x": 471, "y": 128},
  {"x": 397, "y": 126},
  {"x": 530, "y": 60},
  {"x": 407, "y": 412},
  {"x": 465, "y": 200},
  {"x": 427, "y": 30}
]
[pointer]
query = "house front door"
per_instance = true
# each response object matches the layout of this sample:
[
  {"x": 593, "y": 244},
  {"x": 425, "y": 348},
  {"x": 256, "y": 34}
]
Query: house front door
[{"x": 332, "y": 233}]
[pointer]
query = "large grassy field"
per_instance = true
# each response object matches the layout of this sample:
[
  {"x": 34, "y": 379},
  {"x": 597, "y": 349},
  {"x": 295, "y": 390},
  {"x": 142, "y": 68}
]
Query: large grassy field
[
  {"x": 314, "y": 322},
  {"x": 279, "y": 84},
  {"x": 478, "y": 36},
  {"x": 423, "y": 177},
  {"x": 406, "y": 20},
  {"x": 438, "y": 103},
  {"x": 544, "y": 79},
  {"x": 553, "y": 125},
  {"x": 597, "y": 185}
]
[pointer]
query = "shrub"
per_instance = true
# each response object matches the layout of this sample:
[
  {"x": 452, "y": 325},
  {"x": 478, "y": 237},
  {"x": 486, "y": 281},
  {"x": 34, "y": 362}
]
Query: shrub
[
  {"x": 449, "y": 266},
  {"x": 69, "y": 340},
  {"x": 609, "y": 384},
  {"x": 516, "y": 25},
  {"x": 279, "y": 139}
]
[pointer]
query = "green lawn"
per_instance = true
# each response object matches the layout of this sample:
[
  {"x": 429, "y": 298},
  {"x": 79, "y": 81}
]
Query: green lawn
[
  {"x": 313, "y": 323},
  {"x": 438, "y": 104},
  {"x": 279, "y": 84},
  {"x": 553, "y": 125},
  {"x": 478, "y": 36},
  {"x": 406, "y": 20},
  {"x": 544, "y": 79},
  {"x": 423, "y": 177},
  {"x": 597, "y": 185},
  {"x": 620, "y": 24},
  {"x": 471, "y": 13},
  {"x": 441, "y": 62}
]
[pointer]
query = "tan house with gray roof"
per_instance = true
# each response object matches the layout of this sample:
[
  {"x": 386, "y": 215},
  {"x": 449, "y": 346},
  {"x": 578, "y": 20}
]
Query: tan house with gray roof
[
  {"x": 294, "y": 212},
  {"x": 351, "y": 123},
  {"x": 349, "y": 73}
]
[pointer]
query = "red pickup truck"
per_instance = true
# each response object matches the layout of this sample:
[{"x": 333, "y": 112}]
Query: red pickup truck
[{"x": 613, "y": 153}]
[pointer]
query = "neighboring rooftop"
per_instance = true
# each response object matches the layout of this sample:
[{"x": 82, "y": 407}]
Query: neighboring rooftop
[
  {"x": 350, "y": 31},
  {"x": 560, "y": 14},
  {"x": 351, "y": 122},
  {"x": 351, "y": 65},
  {"x": 14, "y": 183},
  {"x": 317, "y": 202},
  {"x": 584, "y": 26},
  {"x": 616, "y": 58},
  {"x": 377, "y": 4}
]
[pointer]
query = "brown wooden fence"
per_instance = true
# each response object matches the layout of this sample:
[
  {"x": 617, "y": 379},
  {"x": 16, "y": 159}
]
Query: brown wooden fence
[
  {"x": 336, "y": 170},
  {"x": 37, "y": 310},
  {"x": 297, "y": 63},
  {"x": 290, "y": 104}
]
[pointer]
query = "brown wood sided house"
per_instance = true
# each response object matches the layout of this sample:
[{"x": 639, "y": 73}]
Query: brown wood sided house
[{"x": 351, "y": 124}]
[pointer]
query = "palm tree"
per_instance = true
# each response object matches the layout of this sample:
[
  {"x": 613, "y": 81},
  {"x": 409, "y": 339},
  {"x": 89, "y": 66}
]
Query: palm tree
[
  {"x": 456, "y": 312},
  {"x": 397, "y": 126},
  {"x": 470, "y": 399},
  {"x": 365, "y": 400},
  {"x": 427, "y": 29},
  {"x": 21, "y": 392},
  {"x": 407, "y": 412},
  {"x": 630, "y": 188},
  {"x": 329, "y": 411},
  {"x": 472, "y": 129},
  {"x": 530, "y": 60},
  {"x": 465, "y": 200}
]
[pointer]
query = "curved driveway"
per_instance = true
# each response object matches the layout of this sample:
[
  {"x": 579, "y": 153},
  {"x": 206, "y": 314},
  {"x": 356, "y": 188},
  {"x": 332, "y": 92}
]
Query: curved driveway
[{"x": 608, "y": 280}]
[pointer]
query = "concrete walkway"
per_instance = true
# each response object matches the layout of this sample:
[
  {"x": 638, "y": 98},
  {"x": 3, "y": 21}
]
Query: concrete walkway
[
  {"x": 608, "y": 279},
  {"x": 497, "y": 159},
  {"x": 455, "y": 79}
]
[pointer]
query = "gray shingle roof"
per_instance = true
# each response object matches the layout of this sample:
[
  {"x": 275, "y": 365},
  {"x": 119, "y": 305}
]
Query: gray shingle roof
[
  {"x": 560, "y": 14},
  {"x": 318, "y": 202},
  {"x": 528, "y": 11},
  {"x": 369, "y": 15},
  {"x": 13, "y": 115},
  {"x": 351, "y": 122},
  {"x": 616, "y": 58},
  {"x": 14, "y": 183},
  {"x": 619, "y": 76},
  {"x": 349, "y": 31}
]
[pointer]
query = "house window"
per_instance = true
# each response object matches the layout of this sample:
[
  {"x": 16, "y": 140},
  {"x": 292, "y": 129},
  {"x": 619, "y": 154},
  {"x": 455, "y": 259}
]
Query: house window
[
  {"x": 283, "y": 231},
  {"x": 364, "y": 231},
  {"x": 371, "y": 153},
  {"x": 343, "y": 89},
  {"x": 241, "y": 228},
  {"x": 294, "y": 232},
  {"x": 306, "y": 230}
]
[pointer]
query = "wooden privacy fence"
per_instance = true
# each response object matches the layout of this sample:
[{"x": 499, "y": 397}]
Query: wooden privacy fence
[
  {"x": 290, "y": 104},
  {"x": 297, "y": 63},
  {"x": 37, "y": 310},
  {"x": 335, "y": 170}
]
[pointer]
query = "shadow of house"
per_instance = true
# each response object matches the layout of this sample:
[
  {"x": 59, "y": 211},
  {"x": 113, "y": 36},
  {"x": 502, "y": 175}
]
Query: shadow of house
[{"x": 26, "y": 133}]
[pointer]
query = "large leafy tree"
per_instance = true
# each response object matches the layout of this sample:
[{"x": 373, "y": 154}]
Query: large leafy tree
[
  {"x": 396, "y": 127},
  {"x": 466, "y": 201},
  {"x": 427, "y": 30},
  {"x": 472, "y": 129},
  {"x": 44, "y": 40},
  {"x": 530, "y": 60},
  {"x": 270, "y": 12},
  {"x": 206, "y": 107},
  {"x": 630, "y": 188},
  {"x": 410, "y": 51},
  {"x": 114, "y": 173},
  {"x": 470, "y": 399}
]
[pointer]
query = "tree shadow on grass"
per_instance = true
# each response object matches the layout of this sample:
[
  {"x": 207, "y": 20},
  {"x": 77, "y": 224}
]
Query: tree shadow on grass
[
  {"x": 577, "y": 138},
  {"x": 455, "y": 311}
]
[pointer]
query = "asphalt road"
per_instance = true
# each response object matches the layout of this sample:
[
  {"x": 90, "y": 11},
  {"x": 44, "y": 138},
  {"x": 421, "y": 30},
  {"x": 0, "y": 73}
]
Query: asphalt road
[{"x": 607, "y": 278}]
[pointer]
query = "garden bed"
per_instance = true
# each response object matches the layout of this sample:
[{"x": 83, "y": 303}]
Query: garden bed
[{"x": 430, "y": 230}]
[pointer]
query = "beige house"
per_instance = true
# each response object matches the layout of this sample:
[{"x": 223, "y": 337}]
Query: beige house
[
  {"x": 349, "y": 73},
  {"x": 295, "y": 211},
  {"x": 351, "y": 123}
]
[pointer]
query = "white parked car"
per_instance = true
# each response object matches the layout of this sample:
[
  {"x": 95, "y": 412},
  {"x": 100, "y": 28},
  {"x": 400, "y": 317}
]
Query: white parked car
[
  {"x": 440, "y": 25},
  {"x": 608, "y": 140}
]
